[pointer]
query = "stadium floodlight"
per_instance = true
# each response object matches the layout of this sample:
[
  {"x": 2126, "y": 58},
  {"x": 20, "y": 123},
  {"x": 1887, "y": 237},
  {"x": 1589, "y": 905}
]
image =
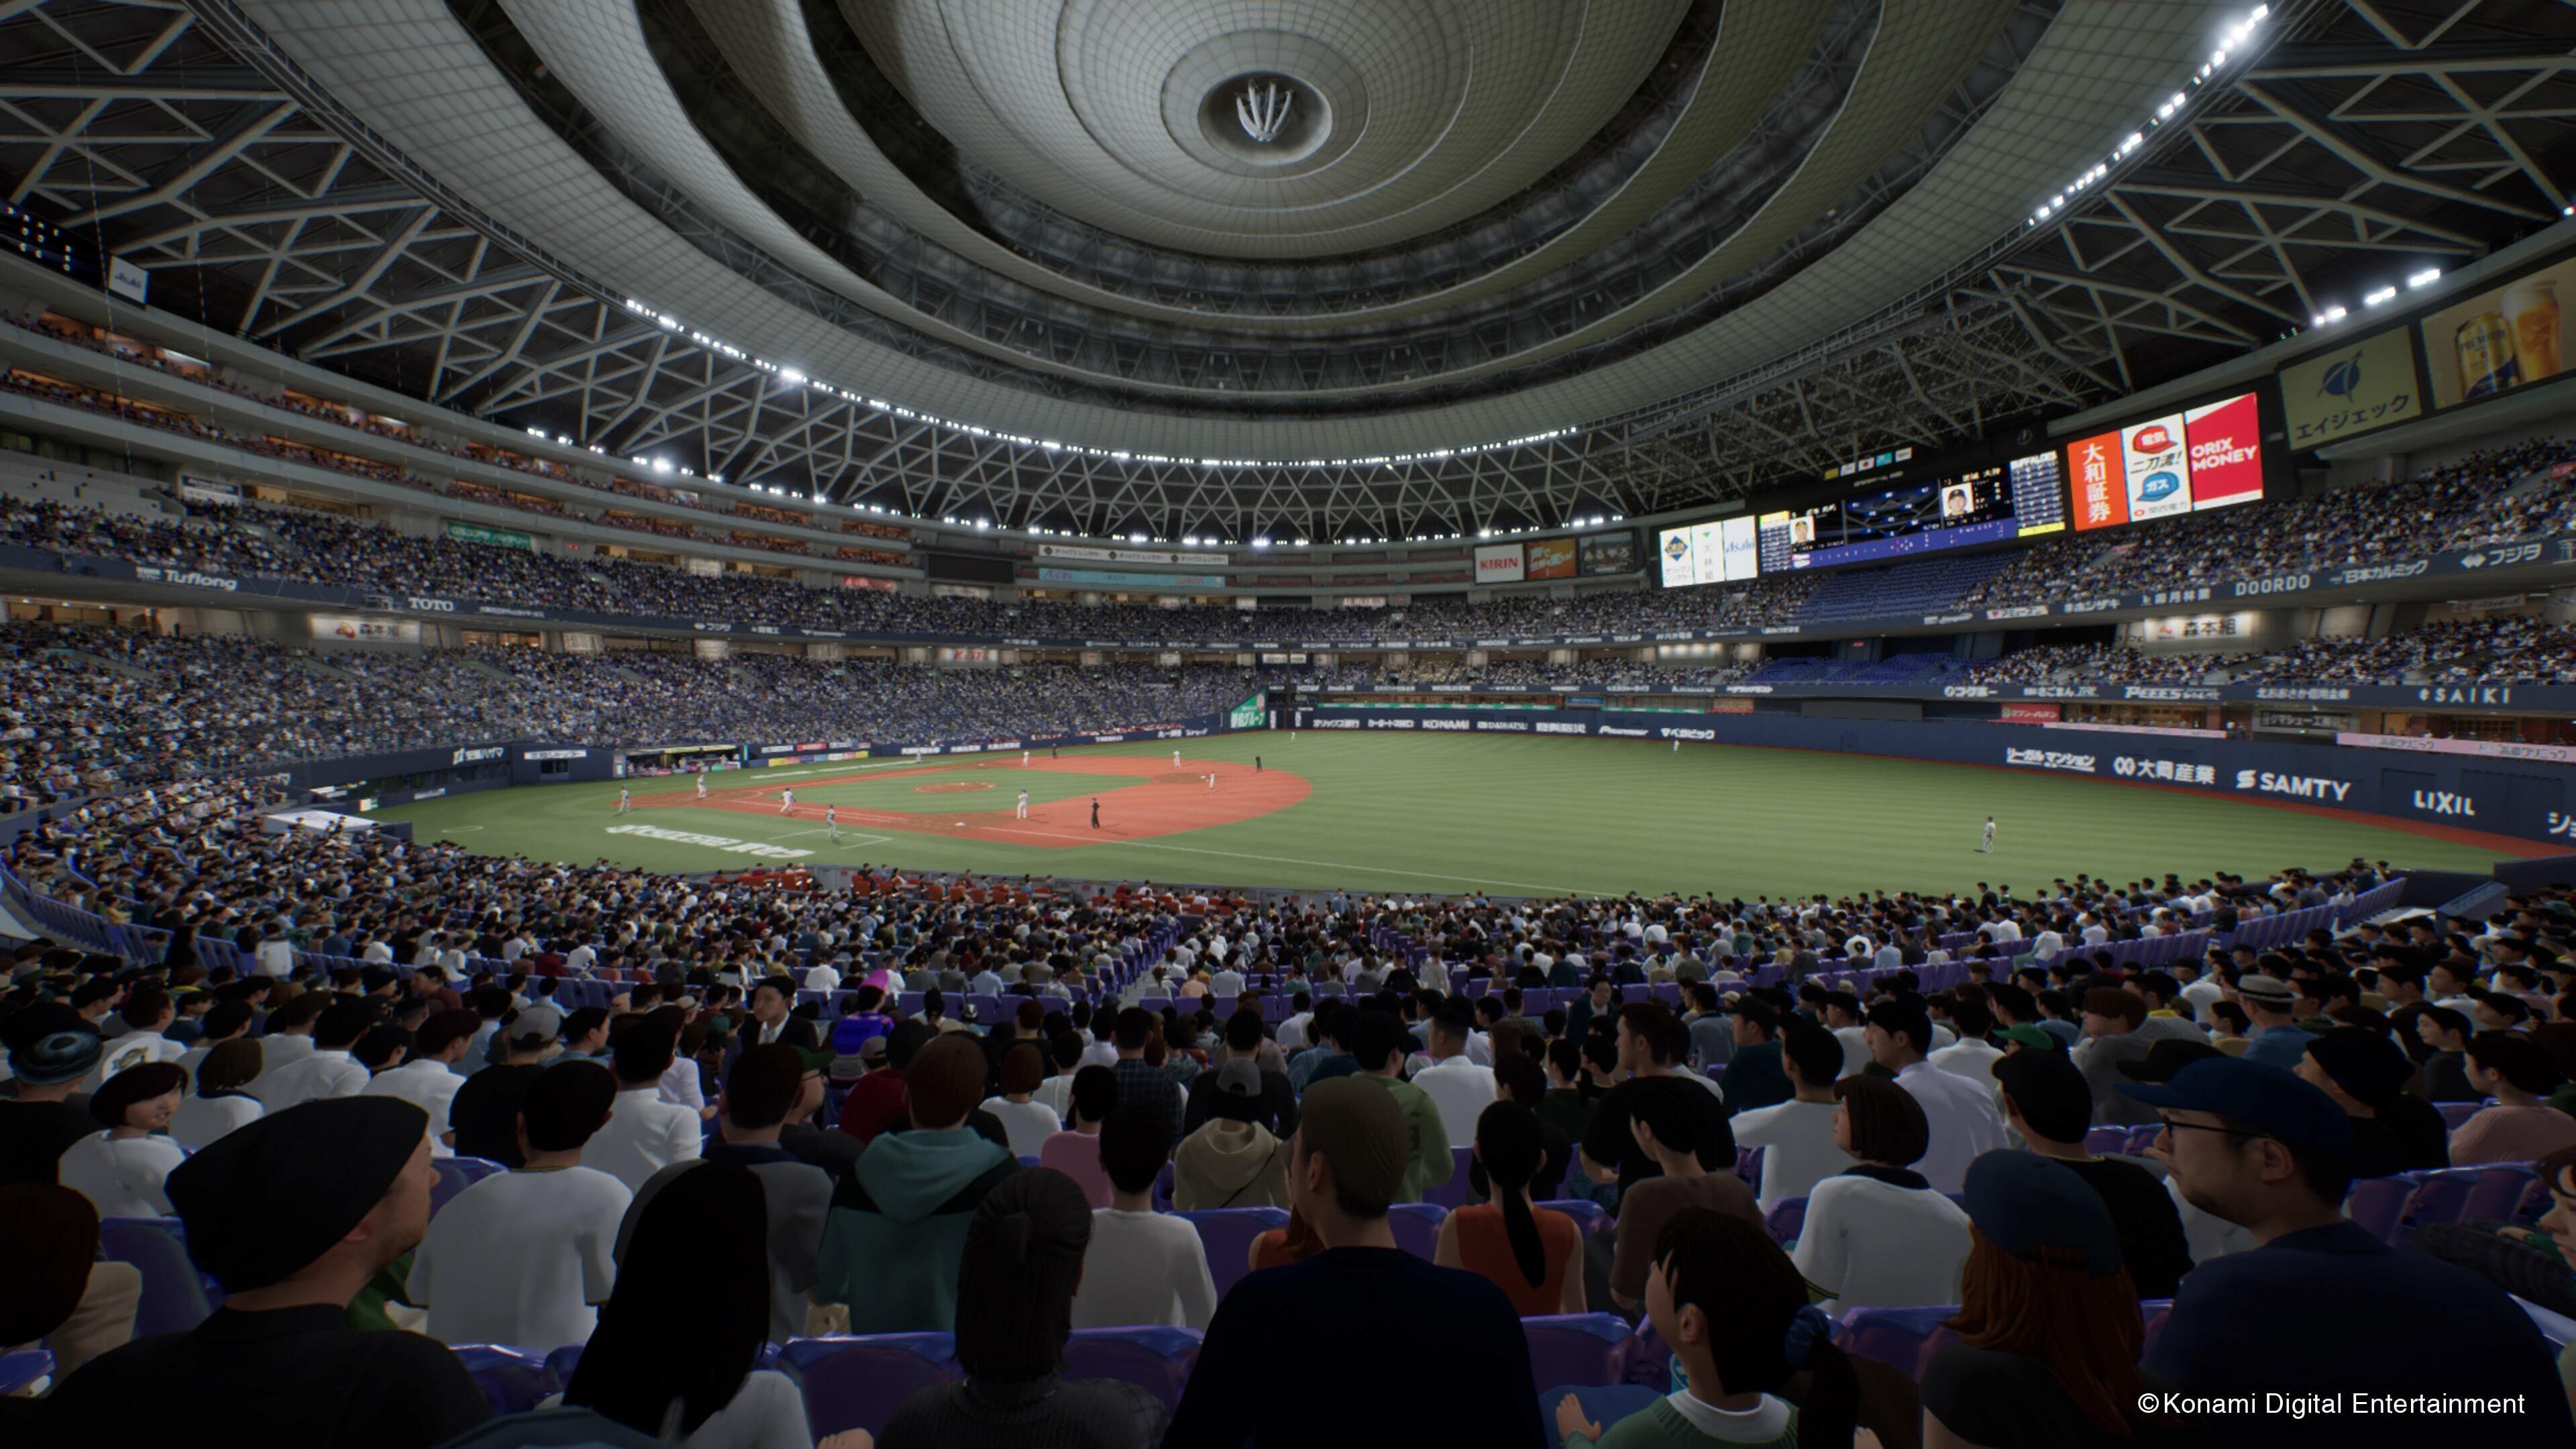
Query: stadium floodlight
[
  {"x": 2424, "y": 278},
  {"x": 1261, "y": 543},
  {"x": 2334, "y": 314},
  {"x": 2382, "y": 295}
]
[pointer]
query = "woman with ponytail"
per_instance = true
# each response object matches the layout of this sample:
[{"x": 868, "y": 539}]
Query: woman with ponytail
[
  {"x": 1015, "y": 1286},
  {"x": 1734, "y": 1312},
  {"x": 2048, "y": 1325},
  {"x": 1534, "y": 1254}
]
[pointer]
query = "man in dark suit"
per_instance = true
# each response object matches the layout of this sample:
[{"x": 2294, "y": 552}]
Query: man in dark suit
[{"x": 770, "y": 1022}]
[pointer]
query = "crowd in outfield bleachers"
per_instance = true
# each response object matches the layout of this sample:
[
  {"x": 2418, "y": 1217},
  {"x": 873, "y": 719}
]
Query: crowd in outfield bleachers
[{"x": 464, "y": 1133}]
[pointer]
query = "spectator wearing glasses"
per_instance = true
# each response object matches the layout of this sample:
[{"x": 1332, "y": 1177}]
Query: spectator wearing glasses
[{"x": 2258, "y": 1146}]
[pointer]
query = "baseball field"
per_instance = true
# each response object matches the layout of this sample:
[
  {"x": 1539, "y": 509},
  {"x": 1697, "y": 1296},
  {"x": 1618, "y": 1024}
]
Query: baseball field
[{"x": 1452, "y": 815}]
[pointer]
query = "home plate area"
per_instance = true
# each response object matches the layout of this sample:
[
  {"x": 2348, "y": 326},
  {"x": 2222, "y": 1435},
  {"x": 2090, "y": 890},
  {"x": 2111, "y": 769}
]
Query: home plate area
[{"x": 1140, "y": 798}]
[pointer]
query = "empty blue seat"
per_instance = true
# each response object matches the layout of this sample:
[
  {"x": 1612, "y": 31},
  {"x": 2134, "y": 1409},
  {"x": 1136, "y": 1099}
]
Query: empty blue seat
[
  {"x": 21, "y": 1370},
  {"x": 1786, "y": 1217},
  {"x": 2498, "y": 1192},
  {"x": 455, "y": 1174},
  {"x": 1453, "y": 1193},
  {"x": 1226, "y": 1235},
  {"x": 1156, "y": 1358},
  {"x": 1417, "y": 1227},
  {"x": 512, "y": 1379},
  {"x": 1589, "y": 1349},
  {"x": 176, "y": 1295},
  {"x": 1588, "y": 1216},
  {"x": 858, "y": 1382},
  {"x": 2378, "y": 1205}
]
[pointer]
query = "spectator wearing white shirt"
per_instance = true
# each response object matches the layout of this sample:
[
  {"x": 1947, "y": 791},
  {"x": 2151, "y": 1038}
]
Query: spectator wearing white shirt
[
  {"x": 428, "y": 1079},
  {"x": 1064, "y": 1054},
  {"x": 822, "y": 976},
  {"x": 226, "y": 1021},
  {"x": 1141, "y": 1267},
  {"x": 147, "y": 1013},
  {"x": 1797, "y": 1137},
  {"x": 121, "y": 1168},
  {"x": 1459, "y": 1088},
  {"x": 218, "y": 1105},
  {"x": 1842, "y": 1017},
  {"x": 1878, "y": 1234},
  {"x": 525, "y": 1257},
  {"x": 1970, "y": 1056},
  {"x": 644, "y": 1134},
  {"x": 276, "y": 954},
  {"x": 328, "y": 1070},
  {"x": 1963, "y": 1118},
  {"x": 289, "y": 1037},
  {"x": 1027, "y": 1122}
]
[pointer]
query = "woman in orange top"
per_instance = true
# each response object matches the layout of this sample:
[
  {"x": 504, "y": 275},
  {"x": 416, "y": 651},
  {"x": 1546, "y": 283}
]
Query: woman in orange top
[{"x": 1534, "y": 1254}]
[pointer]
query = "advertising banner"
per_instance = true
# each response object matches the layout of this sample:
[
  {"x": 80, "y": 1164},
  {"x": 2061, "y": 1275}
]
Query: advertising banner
[
  {"x": 2225, "y": 443},
  {"x": 1498, "y": 563},
  {"x": 1603, "y": 553},
  {"x": 1552, "y": 558},
  {"x": 1103, "y": 577},
  {"x": 2152, "y": 454},
  {"x": 2499, "y": 340},
  {"x": 1125, "y": 555},
  {"x": 2032, "y": 713},
  {"x": 2366, "y": 384},
  {"x": 496, "y": 537},
  {"x": 2101, "y": 489}
]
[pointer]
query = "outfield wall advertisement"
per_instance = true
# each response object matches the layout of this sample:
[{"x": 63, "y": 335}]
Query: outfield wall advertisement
[{"x": 2526, "y": 799}]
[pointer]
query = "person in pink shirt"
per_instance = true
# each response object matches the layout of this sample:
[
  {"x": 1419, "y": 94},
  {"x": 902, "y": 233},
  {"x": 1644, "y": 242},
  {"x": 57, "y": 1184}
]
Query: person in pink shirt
[
  {"x": 1075, "y": 1152},
  {"x": 2517, "y": 1072}
]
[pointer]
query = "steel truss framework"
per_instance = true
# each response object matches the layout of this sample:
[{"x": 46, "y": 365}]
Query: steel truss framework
[{"x": 2371, "y": 138}]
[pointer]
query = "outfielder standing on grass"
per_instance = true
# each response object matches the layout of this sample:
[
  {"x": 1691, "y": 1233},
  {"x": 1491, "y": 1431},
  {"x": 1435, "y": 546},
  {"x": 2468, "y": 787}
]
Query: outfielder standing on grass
[{"x": 1990, "y": 836}]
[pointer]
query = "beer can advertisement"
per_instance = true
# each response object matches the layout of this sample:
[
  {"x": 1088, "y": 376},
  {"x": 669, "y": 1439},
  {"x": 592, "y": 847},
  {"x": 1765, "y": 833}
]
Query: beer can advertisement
[
  {"x": 2159, "y": 477},
  {"x": 2502, "y": 339},
  {"x": 2225, "y": 443},
  {"x": 2366, "y": 383}
]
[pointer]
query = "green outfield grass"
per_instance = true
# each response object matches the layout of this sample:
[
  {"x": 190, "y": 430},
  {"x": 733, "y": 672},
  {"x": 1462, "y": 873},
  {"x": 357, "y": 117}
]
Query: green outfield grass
[{"x": 1519, "y": 816}]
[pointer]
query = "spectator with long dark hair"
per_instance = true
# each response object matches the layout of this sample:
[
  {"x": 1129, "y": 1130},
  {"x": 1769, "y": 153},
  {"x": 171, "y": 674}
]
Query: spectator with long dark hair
[
  {"x": 1015, "y": 1286},
  {"x": 1534, "y": 1254},
  {"x": 677, "y": 1351},
  {"x": 2048, "y": 1325},
  {"x": 1876, "y": 1235},
  {"x": 1735, "y": 1313}
]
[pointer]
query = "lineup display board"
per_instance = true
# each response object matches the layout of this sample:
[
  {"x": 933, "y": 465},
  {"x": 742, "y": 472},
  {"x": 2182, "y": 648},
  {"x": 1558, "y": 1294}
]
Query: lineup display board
[
  {"x": 1720, "y": 551},
  {"x": 1977, "y": 506},
  {"x": 2182, "y": 462}
]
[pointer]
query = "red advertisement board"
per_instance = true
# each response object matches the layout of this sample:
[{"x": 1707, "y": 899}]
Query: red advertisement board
[
  {"x": 2100, "y": 484},
  {"x": 2225, "y": 440}
]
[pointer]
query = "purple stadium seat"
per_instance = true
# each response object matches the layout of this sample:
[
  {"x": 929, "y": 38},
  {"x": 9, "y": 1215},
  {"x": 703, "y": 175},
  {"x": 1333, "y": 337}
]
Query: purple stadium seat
[
  {"x": 1588, "y": 1216},
  {"x": 512, "y": 1379},
  {"x": 2456, "y": 1113},
  {"x": 2141, "y": 1138},
  {"x": 1417, "y": 1227},
  {"x": 176, "y": 1296},
  {"x": 23, "y": 1368},
  {"x": 2157, "y": 1310},
  {"x": 1784, "y": 1220},
  {"x": 1748, "y": 1166},
  {"x": 2378, "y": 1205},
  {"x": 1577, "y": 1348},
  {"x": 455, "y": 1174},
  {"x": 564, "y": 1360},
  {"x": 1453, "y": 1193},
  {"x": 1155, "y": 1358},
  {"x": 1227, "y": 1233},
  {"x": 857, "y": 1383},
  {"x": 2439, "y": 1195},
  {"x": 1898, "y": 1337},
  {"x": 2107, "y": 1140}
]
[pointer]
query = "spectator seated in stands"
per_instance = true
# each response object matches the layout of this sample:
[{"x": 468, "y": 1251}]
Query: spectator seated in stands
[
  {"x": 1075, "y": 1151},
  {"x": 644, "y": 1134},
  {"x": 1026, "y": 1122},
  {"x": 1877, "y": 1235},
  {"x": 1678, "y": 1129},
  {"x": 123, "y": 1170},
  {"x": 1797, "y": 1137},
  {"x": 292, "y": 1214},
  {"x": 676, "y": 1352},
  {"x": 1758, "y": 1362},
  {"x": 328, "y": 1070},
  {"x": 1243, "y": 1042},
  {"x": 2520, "y": 1127},
  {"x": 2048, "y": 1325},
  {"x": 1016, "y": 1276},
  {"x": 765, "y": 1085},
  {"x": 1534, "y": 1254},
  {"x": 898, "y": 1221},
  {"x": 1378, "y": 1045},
  {"x": 2261, "y": 1148},
  {"x": 1234, "y": 1159},
  {"x": 1353, "y": 1154},
  {"x": 2365, "y": 1074},
  {"x": 51, "y": 1049},
  {"x": 527, "y": 1256},
  {"x": 2046, "y": 1101},
  {"x": 427, "y": 1078},
  {"x": 61, "y": 1295},
  {"x": 1143, "y": 1267}
]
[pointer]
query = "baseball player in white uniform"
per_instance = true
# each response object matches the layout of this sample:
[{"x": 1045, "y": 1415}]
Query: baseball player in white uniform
[
  {"x": 702, "y": 784},
  {"x": 1024, "y": 759},
  {"x": 1024, "y": 805},
  {"x": 786, "y": 801},
  {"x": 1989, "y": 845},
  {"x": 832, "y": 821},
  {"x": 1176, "y": 759},
  {"x": 623, "y": 804}
]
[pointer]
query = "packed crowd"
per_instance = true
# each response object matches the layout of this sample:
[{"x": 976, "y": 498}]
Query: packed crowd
[
  {"x": 2506, "y": 648},
  {"x": 93, "y": 710},
  {"x": 764, "y": 1136}
]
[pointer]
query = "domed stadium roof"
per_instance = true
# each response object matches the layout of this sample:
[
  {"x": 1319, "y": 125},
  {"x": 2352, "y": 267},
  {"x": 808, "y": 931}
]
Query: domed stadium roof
[{"x": 1241, "y": 266}]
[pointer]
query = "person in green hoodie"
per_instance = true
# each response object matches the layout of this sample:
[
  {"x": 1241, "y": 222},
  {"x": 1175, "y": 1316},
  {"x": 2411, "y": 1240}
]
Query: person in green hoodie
[
  {"x": 897, "y": 1228},
  {"x": 1379, "y": 1042}
]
